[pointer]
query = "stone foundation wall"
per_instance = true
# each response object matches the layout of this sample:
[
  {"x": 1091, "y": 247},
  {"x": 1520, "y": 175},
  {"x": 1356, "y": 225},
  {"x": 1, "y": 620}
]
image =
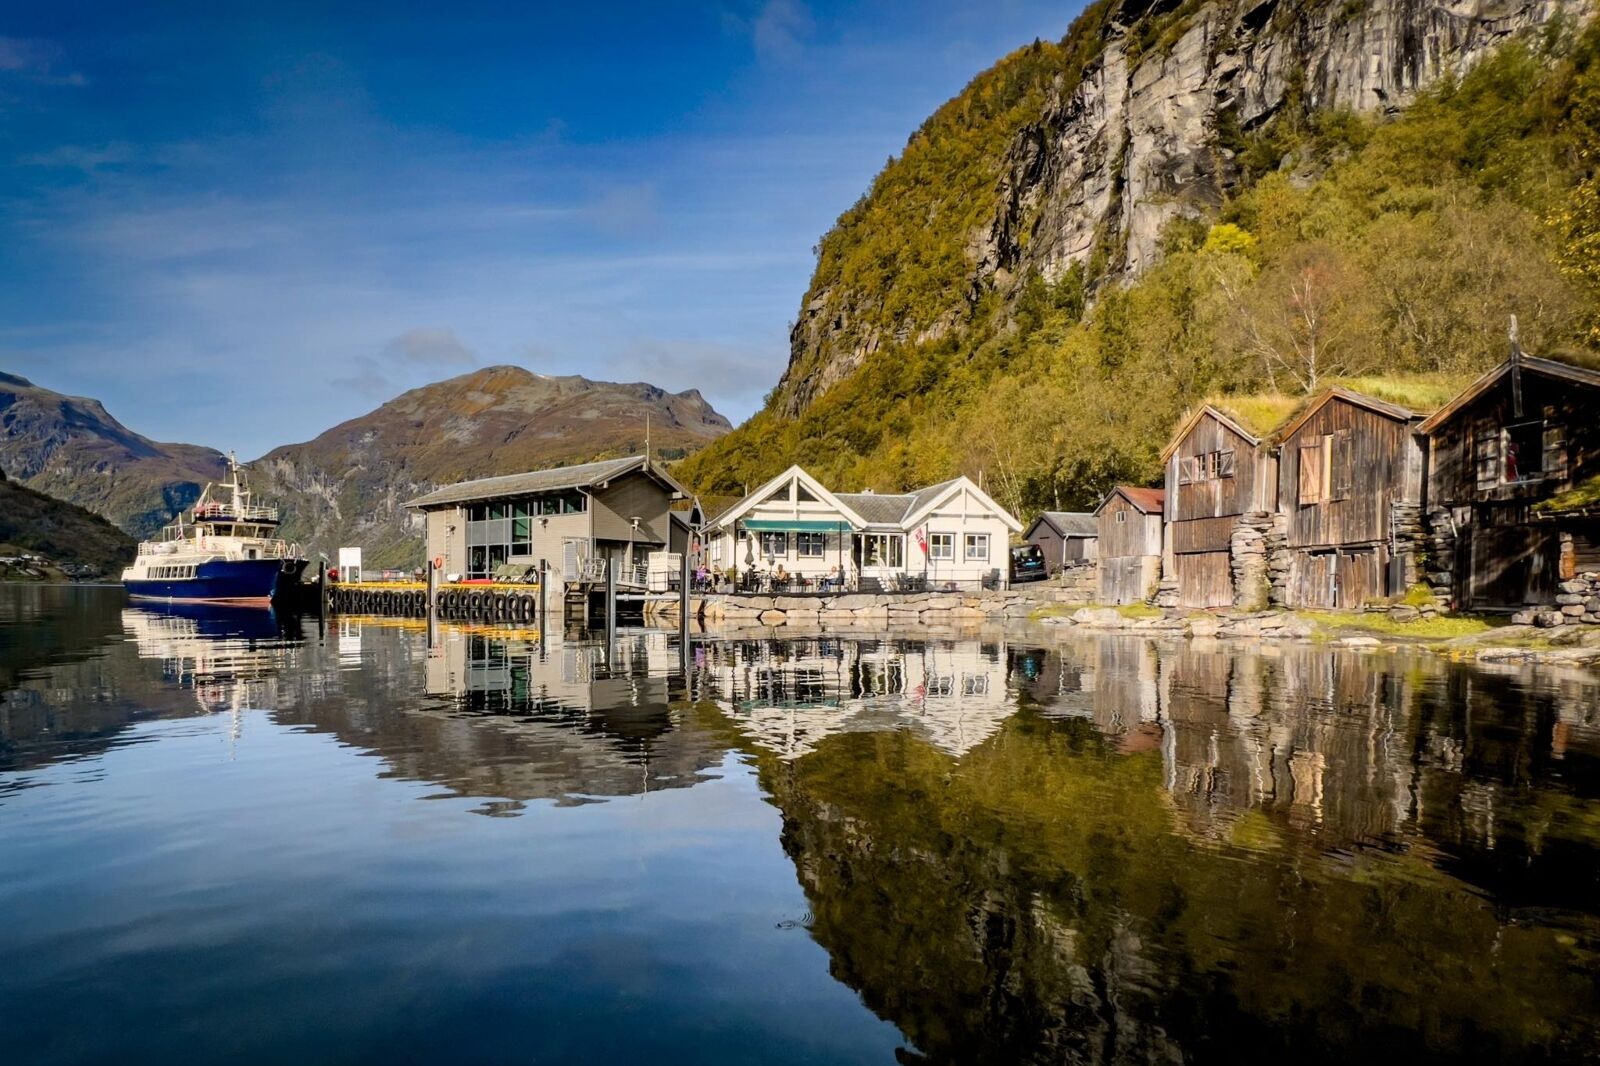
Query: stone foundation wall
[
  {"x": 1438, "y": 544},
  {"x": 1577, "y": 603},
  {"x": 868, "y": 609}
]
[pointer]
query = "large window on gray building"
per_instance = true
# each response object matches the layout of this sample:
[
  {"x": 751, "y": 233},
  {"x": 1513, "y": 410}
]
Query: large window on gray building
[{"x": 503, "y": 530}]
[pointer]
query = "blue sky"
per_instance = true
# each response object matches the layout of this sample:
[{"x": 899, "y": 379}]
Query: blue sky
[{"x": 238, "y": 229}]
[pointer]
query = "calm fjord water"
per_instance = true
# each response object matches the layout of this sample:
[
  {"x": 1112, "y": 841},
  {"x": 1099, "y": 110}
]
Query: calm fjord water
[{"x": 224, "y": 837}]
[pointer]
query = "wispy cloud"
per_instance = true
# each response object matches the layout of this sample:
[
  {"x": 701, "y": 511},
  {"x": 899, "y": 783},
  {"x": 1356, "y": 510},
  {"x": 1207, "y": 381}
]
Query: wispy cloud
[
  {"x": 38, "y": 61},
  {"x": 434, "y": 348},
  {"x": 778, "y": 29},
  {"x": 85, "y": 158}
]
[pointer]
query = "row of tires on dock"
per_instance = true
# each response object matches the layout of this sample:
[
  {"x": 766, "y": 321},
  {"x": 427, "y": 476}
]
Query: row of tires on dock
[{"x": 481, "y": 605}]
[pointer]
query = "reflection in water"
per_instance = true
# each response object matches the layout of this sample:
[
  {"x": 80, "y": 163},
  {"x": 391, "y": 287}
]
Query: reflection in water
[
  {"x": 1111, "y": 850},
  {"x": 1201, "y": 853},
  {"x": 789, "y": 696}
]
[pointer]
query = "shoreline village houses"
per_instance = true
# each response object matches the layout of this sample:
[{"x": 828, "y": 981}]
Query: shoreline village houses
[
  {"x": 1130, "y": 538},
  {"x": 1514, "y": 485},
  {"x": 1064, "y": 538},
  {"x": 1350, "y": 475},
  {"x": 949, "y": 535},
  {"x": 614, "y": 509},
  {"x": 1220, "y": 484}
]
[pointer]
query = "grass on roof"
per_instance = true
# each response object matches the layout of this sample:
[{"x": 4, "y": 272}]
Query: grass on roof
[
  {"x": 1264, "y": 412},
  {"x": 1585, "y": 493}
]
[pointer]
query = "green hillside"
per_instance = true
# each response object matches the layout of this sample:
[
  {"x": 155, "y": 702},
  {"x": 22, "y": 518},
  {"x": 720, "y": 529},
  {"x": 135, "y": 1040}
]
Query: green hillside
[
  {"x": 1348, "y": 245},
  {"x": 63, "y": 533}
]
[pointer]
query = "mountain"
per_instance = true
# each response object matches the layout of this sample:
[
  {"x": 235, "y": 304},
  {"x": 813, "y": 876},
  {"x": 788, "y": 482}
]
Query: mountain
[
  {"x": 73, "y": 540},
  {"x": 1183, "y": 197},
  {"x": 72, "y": 449},
  {"x": 347, "y": 486}
]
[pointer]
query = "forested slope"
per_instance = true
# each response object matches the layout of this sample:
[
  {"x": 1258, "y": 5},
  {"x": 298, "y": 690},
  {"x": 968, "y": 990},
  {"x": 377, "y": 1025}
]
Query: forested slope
[{"x": 958, "y": 322}]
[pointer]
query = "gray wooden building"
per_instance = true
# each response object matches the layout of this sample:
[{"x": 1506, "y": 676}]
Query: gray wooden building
[
  {"x": 614, "y": 509},
  {"x": 1350, "y": 479},
  {"x": 1501, "y": 457},
  {"x": 1130, "y": 543},
  {"x": 1066, "y": 538}
]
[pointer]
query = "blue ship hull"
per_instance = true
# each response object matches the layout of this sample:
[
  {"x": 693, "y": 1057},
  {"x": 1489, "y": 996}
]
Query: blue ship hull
[{"x": 240, "y": 580}]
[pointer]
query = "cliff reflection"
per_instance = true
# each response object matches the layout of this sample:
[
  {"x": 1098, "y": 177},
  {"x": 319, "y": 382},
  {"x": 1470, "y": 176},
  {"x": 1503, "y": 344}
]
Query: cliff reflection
[{"x": 1197, "y": 854}]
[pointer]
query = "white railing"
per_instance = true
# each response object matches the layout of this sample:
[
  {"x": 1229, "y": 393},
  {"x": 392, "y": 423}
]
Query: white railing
[{"x": 227, "y": 512}]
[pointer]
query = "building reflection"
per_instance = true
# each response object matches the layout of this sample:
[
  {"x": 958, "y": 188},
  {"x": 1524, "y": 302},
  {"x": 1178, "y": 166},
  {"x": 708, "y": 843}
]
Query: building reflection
[
  {"x": 1170, "y": 851},
  {"x": 788, "y": 696},
  {"x": 511, "y": 719}
]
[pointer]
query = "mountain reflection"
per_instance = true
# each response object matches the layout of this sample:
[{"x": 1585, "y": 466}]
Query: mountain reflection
[
  {"x": 1107, "y": 850},
  {"x": 1197, "y": 853}
]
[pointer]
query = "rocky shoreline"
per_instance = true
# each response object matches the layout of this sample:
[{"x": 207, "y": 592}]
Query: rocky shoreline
[{"x": 1535, "y": 638}]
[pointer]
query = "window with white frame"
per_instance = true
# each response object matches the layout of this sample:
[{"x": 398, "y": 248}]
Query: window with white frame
[
  {"x": 882, "y": 549},
  {"x": 977, "y": 547},
  {"x": 774, "y": 543},
  {"x": 810, "y": 545},
  {"x": 942, "y": 547}
]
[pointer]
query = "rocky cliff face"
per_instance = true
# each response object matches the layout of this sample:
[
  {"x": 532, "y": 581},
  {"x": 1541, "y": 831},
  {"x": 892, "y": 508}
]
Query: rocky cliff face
[
  {"x": 1141, "y": 135},
  {"x": 71, "y": 448},
  {"x": 349, "y": 485}
]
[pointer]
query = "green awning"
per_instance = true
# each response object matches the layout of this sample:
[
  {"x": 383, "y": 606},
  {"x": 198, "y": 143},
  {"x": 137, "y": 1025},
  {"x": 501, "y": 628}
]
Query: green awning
[{"x": 796, "y": 525}]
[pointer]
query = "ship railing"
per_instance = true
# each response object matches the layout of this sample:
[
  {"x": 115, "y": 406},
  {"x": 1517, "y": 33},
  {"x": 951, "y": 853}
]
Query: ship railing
[{"x": 227, "y": 512}]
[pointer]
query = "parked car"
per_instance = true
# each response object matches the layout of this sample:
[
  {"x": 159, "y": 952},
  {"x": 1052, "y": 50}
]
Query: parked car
[{"x": 1027, "y": 564}]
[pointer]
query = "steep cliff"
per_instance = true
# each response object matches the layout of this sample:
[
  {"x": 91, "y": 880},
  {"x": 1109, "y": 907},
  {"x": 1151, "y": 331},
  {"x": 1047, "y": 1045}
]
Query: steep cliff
[
  {"x": 1095, "y": 164},
  {"x": 70, "y": 447},
  {"x": 1068, "y": 171},
  {"x": 348, "y": 485}
]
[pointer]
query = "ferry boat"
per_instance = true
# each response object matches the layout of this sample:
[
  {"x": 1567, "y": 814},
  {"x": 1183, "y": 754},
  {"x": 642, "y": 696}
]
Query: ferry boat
[{"x": 226, "y": 551}]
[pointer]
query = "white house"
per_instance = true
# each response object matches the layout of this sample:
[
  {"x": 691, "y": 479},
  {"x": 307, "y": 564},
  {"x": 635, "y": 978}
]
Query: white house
[{"x": 949, "y": 535}]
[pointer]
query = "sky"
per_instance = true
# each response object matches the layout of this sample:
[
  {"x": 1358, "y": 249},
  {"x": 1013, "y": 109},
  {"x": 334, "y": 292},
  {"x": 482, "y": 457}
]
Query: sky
[{"x": 240, "y": 224}]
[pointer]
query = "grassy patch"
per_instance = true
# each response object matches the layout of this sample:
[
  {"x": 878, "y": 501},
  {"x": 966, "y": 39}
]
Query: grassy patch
[
  {"x": 1585, "y": 493},
  {"x": 1139, "y": 610},
  {"x": 1443, "y": 627}
]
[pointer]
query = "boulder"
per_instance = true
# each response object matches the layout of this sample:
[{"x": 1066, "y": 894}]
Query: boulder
[
  {"x": 1361, "y": 642},
  {"x": 1097, "y": 616},
  {"x": 1523, "y": 618},
  {"x": 772, "y": 618},
  {"x": 1548, "y": 619},
  {"x": 1404, "y": 613}
]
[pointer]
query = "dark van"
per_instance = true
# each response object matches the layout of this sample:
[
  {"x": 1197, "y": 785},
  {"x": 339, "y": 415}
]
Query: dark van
[{"x": 1027, "y": 564}]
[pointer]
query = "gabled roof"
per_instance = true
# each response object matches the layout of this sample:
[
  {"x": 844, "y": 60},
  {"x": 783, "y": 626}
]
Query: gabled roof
[
  {"x": 1371, "y": 403},
  {"x": 879, "y": 508},
  {"x": 1193, "y": 420},
  {"x": 1548, "y": 367},
  {"x": 1067, "y": 523},
  {"x": 838, "y": 503},
  {"x": 925, "y": 500},
  {"x": 1147, "y": 501},
  {"x": 582, "y": 476}
]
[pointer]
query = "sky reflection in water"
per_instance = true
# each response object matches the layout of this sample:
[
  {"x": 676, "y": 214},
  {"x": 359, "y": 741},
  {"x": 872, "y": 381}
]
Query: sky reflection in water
[{"x": 229, "y": 836}]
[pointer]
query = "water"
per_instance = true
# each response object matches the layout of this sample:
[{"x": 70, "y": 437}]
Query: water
[{"x": 226, "y": 838}]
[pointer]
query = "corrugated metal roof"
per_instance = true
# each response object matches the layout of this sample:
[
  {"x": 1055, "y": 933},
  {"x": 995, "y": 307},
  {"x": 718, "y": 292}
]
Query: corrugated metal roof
[
  {"x": 565, "y": 477},
  {"x": 1073, "y": 523},
  {"x": 1150, "y": 501},
  {"x": 878, "y": 508}
]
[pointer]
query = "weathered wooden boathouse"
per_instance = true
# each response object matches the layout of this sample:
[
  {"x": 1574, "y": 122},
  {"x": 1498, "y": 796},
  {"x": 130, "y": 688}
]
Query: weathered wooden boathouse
[
  {"x": 1350, "y": 480},
  {"x": 1131, "y": 536},
  {"x": 1219, "y": 477},
  {"x": 1508, "y": 462}
]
